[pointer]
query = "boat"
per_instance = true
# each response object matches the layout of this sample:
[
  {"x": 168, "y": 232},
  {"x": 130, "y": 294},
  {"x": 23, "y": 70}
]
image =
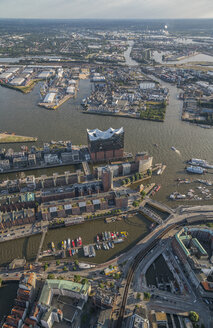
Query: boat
[
  {"x": 73, "y": 252},
  {"x": 200, "y": 162},
  {"x": 97, "y": 238},
  {"x": 62, "y": 244},
  {"x": 73, "y": 243},
  {"x": 79, "y": 242},
  {"x": 176, "y": 150},
  {"x": 68, "y": 243},
  {"x": 118, "y": 241},
  {"x": 70, "y": 252},
  {"x": 195, "y": 169},
  {"x": 159, "y": 171},
  {"x": 65, "y": 244},
  {"x": 157, "y": 188},
  {"x": 180, "y": 196},
  {"x": 53, "y": 246}
]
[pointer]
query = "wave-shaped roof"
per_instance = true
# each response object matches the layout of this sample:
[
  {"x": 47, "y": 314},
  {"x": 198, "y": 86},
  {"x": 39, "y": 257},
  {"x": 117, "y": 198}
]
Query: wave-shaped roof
[{"x": 97, "y": 134}]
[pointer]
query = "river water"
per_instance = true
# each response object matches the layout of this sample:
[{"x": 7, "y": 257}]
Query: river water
[{"x": 19, "y": 113}]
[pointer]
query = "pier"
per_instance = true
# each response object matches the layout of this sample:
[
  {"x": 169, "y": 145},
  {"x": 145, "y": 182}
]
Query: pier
[{"x": 40, "y": 245}]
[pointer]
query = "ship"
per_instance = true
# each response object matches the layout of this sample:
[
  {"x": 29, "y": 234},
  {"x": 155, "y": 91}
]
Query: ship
[
  {"x": 195, "y": 169},
  {"x": 200, "y": 162}
]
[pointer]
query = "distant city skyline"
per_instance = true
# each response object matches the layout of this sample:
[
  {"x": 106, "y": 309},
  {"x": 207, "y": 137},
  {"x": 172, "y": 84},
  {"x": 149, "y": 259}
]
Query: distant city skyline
[{"x": 126, "y": 9}]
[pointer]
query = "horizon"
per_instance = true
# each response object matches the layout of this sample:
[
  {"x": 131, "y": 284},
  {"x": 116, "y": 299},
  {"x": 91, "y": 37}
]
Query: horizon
[{"x": 106, "y": 9}]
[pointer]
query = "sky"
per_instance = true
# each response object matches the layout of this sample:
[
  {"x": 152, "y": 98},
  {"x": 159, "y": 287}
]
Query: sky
[{"x": 123, "y": 9}]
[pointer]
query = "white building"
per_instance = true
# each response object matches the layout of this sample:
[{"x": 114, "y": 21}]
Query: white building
[
  {"x": 147, "y": 85},
  {"x": 49, "y": 98},
  {"x": 70, "y": 90},
  {"x": 17, "y": 81},
  {"x": 6, "y": 75}
]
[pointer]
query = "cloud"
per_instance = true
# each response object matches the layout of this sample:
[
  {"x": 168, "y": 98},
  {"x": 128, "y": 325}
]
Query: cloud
[{"x": 106, "y": 9}]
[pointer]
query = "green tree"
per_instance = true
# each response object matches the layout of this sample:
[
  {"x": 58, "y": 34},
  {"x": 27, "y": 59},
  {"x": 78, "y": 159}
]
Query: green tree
[
  {"x": 50, "y": 276},
  {"x": 76, "y": 262},
  {"x": 101, "y": 285},
  {"x": 149, "y": 172},
  {"x": 77, "y": 278},
  {"x": 193, "y": 316},
  {"x": 138, "y": 296},
  {"x": 110, "y": 266},
  {"x": 57, "y": 262},
  {"x": 0, "y": 282},
  {"x": 117, "y": 275},
  {"x": 45, "y": 266},
  {"x": 147, "y": 296},
  {"x": 133, "y": 178},
  {"x": 143, "y": 193},
  {"x": 65, "y": 268},
  {"x": 135, "y": 203},
  {"x": 84, "y": 281}
]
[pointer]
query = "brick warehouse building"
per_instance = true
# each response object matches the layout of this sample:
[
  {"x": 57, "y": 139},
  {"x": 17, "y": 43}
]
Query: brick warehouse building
[{"x": 106, "y": 145}]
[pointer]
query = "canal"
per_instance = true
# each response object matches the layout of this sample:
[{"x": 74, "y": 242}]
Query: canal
[
  {"x": 7, "y": 296},
  {"x": 136, "y": 226},
  {"x": 19, "y": 248}
]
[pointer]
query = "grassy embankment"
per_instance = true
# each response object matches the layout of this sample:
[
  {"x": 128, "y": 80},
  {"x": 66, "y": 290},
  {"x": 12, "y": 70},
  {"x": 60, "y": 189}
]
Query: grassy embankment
[
  {"x": 24, "y": 89},
  {"x": 12, "y": 138}
]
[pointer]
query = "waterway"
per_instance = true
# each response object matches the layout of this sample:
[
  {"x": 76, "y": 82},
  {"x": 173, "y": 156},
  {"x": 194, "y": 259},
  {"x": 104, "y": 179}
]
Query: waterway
[
  {"x": 19, "y": 113},
  {"x": 7, "y": 296},
  {"x": 26, "y": 247},
  {"x": 157, "y": 56},
  {"x": 136, "y": 226}
]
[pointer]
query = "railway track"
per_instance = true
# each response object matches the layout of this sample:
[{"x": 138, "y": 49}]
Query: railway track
[{"x": 132, "y": 269}]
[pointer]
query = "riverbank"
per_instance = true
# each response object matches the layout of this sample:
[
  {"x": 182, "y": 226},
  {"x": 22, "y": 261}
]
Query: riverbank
[
  {"x": 53, "y": 106},
  {"x": 123, "y": 116},
  {"x": 13, "y": 138},
  {"x": 24, "y": 89}
]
